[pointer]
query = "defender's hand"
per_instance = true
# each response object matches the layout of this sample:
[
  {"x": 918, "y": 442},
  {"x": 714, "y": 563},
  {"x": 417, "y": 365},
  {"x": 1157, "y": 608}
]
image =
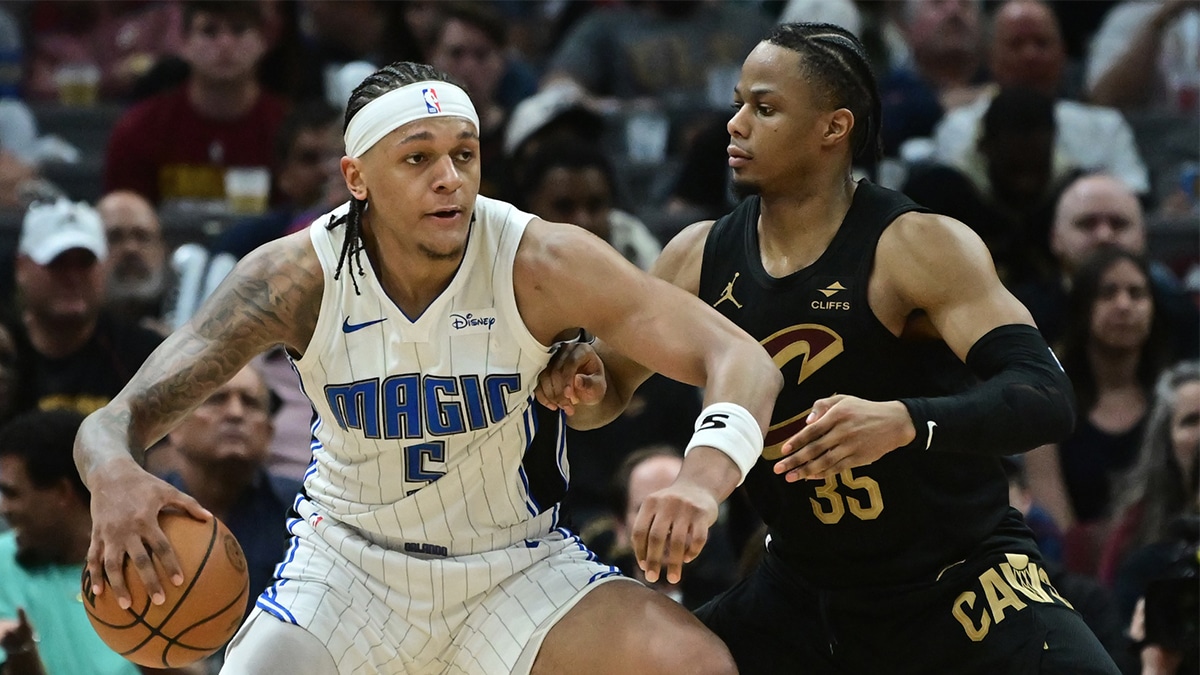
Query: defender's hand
[
  {"x": 574, "y": 376},
  {"x": 672, "y": 527},
  {"x": 844, "y": 432},
  {"x": 126, "y": 501}
]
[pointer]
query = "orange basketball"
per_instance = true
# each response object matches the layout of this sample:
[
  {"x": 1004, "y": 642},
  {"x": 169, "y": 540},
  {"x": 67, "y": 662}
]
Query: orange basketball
[{"x": 198, "y": 617}]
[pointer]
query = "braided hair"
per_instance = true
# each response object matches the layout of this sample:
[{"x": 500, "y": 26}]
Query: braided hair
[
  {"x": 387, "y": 78},
  {"x": 835, "y": 63}
]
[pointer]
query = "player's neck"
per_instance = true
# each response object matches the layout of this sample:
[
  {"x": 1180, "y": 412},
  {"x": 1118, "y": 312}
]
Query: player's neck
[
  {"x": 411, "y": 278},
  {"x": 795, "y": 228}
]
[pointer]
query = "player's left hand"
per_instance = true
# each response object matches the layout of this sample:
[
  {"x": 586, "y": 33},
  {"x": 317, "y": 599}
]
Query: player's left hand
[
  {"x": 672, "y": 527},
  {"x": 844, "y": 432}
]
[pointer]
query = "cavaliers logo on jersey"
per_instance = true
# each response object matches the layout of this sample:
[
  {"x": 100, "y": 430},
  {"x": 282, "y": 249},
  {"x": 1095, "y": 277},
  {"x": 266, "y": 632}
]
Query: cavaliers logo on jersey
[{"x": 813, "y": 346}]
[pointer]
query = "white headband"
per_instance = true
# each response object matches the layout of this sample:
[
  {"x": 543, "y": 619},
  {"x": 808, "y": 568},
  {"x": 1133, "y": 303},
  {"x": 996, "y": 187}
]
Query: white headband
[{"x": 398, "y": 107}]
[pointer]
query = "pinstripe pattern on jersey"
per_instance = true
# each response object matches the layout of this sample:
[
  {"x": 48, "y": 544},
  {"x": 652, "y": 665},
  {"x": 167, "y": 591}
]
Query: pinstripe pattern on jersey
[
  {"x": 393, "y": 613},
  {"x": 453, "y": 478}
]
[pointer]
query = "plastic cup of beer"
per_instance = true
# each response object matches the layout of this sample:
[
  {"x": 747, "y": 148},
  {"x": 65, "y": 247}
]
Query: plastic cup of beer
[
  {"x": 78, "y": 84},
  {"x": 247, "y": 189}
]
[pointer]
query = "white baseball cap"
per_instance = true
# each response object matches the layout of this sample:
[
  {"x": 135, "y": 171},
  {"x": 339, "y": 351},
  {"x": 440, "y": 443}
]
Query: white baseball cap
[
  {"x": 539, "y": 110},
  {"x": 51, "y": 229}
]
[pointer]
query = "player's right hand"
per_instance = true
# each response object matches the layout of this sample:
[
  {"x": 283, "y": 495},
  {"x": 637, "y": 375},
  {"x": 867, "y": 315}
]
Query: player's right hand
[
  {"x": 126, "y": 501},
  {"x": 574, "y": 376},
  {"x": 672, "y": 527}
]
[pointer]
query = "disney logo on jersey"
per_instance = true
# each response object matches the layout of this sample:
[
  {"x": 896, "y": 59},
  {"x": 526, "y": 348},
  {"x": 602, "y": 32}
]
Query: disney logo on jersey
[
  {"x": 431, "y": 101},
  {"x": 842, "y": 305},
  {"x": 478, "y": 321},
  {"x": 812, "y": 346}
]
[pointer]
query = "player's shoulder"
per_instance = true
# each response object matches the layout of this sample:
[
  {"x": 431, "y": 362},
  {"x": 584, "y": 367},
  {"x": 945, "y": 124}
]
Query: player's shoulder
[
  {"x": 922, "y": 250},
  {"x": 925, "y": 235},
  {"x": 291, "y": 257}
]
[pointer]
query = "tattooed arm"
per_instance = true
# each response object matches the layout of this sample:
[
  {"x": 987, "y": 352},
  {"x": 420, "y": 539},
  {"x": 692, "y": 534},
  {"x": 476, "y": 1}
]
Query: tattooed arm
[{"x": 271, "y": 297}]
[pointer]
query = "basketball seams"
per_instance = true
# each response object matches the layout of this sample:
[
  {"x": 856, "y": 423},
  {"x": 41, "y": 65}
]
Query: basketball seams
[
  {"x": 156, "y": 631},
  {"x": 172, "y": 637}
]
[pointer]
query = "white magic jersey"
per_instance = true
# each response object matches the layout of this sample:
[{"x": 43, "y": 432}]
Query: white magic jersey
[{"x": 423, "y": 424}]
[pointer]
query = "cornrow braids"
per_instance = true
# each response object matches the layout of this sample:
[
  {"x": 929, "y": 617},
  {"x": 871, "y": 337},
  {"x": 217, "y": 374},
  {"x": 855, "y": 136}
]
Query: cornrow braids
[
  {"x": 835, "y": 62},
  {"x": 390, "y": 77}
]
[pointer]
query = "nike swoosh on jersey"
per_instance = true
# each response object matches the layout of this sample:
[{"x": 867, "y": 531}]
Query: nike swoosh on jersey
[
  {"x": 929, "y": 438},
  {"x": 348, "y": 327}
]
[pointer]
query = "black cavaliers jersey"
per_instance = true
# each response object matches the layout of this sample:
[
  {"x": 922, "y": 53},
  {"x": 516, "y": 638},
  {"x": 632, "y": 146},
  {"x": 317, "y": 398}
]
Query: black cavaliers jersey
[{"x": 913, "y": 512}]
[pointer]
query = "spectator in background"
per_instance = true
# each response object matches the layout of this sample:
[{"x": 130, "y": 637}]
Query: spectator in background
[
  {"x": 1146, "y": 55},
  {"x": 842, "y": 13},
  {"x": 335, "y": 33},
  {"x": 121, "y": 41},
  {"x": 137, "y": 259},
  {"x": 71, "y": 353},
  {"x": 561, "y": 113},
  {"x": 1113, "y": 350},
  {"x": 177, "y": 145},
  {"x": 667, "y": 49},
  {"x": 219, "y": 456},
  {"x": 574, "y": 182},
  {"x": 1006, "y": 192},
  {"x": 701, "y": 190},
  {"x": 469, "y": 43},
  {"x": 1096, "y": 210},
  {"x": 943, "y": 73},
  {"x": 307, "y": 176},
  {"x": 1026, "y": 50},
  {"x": 1162, "y": 485},
  {"x": 48, "y": 507}
]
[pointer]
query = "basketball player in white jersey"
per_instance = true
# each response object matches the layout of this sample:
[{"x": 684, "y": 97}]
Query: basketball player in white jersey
[{"x": 418, "y": 317}]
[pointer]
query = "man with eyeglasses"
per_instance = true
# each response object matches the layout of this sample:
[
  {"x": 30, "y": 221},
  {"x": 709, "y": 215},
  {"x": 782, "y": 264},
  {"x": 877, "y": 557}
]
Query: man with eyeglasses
[
  {"x": 137, "y": 263},
  {"x": 177, "y": 146}
]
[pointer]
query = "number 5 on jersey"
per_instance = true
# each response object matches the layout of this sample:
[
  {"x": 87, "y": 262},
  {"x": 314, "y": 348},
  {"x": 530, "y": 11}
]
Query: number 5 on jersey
[{"x": 424, "y": 463}]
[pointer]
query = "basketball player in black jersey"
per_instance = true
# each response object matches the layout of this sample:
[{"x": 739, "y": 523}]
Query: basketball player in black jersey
[{"x": 909, "y": 371}]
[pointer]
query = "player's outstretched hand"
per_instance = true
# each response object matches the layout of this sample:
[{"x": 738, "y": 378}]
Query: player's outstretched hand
[
  {"x": 844, "y": 432},
  {"x": 672, "y": 527},
  {"x": 126, "y": 501},
  {"x": 574, "y": 376}
]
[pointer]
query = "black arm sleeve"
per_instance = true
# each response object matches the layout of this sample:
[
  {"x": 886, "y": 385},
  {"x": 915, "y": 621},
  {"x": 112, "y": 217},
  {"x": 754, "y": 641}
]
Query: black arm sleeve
[{"x": 1025, "y": 399}]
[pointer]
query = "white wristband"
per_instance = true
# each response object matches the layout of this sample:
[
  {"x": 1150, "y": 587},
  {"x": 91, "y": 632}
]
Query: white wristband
[{"x": 730, "y": 428}]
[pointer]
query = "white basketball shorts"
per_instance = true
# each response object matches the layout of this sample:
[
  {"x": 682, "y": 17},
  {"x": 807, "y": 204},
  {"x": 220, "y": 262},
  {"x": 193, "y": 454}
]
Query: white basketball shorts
[{"x": 383, "y": 611}]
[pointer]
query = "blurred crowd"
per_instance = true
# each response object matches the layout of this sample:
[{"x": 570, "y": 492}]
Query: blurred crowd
[{"x": 147, "y": 145}]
